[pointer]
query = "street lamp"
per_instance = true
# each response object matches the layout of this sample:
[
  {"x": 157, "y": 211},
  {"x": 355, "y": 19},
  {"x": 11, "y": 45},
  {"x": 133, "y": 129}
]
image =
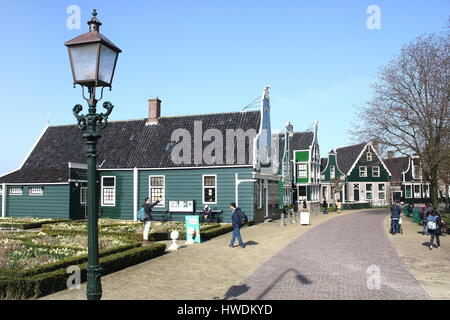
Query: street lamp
[{"x": 93, "y": 60}]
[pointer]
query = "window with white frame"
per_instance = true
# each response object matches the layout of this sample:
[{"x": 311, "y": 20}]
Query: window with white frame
[
  {"x": 210, "y": 189},
  {"x": 427, "y": 190},
  {"x": 157, "y": 189},
  {"x": 332, "y": 172},
  {"x": 36, "y": 191},
  {"x": 15, "y": 191},
  {"x": 258, "y": 195},
  {"x": 363, "y": 172},
  {"x": 369, "y": 195},
  {"x": 417, "y": 172},
  {"x": 108, "y": 191},
  {"x": 83, "y": 195},
  {"x": 302, "y": 170},
  {"x": 381, "y": 191},
  {"x": 408, "y": 193},
  {"x": 1, "y": 190},
  {"x": 369, "y": 156},
  {"x": 376, "y": 172}
]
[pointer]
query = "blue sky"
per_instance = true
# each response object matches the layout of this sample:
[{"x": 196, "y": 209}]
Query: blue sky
[{"x": 319, "y": 58}]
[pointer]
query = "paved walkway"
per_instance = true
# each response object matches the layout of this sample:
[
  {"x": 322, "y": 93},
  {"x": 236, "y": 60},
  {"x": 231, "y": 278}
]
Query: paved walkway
[
  {"x": 430, "y": 267},
  {"x": 338, "y": 259},
  {"x": 205, "y": 271}
]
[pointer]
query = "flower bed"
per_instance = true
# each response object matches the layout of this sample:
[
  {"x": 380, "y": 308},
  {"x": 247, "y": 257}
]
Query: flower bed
[
  {"x": 27, "y": 222},
  {"x": 20, "y": 251}
]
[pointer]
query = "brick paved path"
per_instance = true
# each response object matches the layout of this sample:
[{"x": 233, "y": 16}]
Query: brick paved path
[{"x": 330, "y": 262}]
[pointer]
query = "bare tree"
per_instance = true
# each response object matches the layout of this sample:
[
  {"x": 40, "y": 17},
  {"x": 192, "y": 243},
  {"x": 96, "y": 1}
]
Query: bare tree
[
  {"x": 336, "y": 187},
  {"x": 409, "y": 111}
]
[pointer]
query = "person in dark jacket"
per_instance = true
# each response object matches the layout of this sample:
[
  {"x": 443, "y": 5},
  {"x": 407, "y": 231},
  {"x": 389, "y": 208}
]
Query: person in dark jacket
[
  {"x": 395, "y": 217},
  {"x": 434, "y": 228},
  {"x": 148, "y": 218},
  {"x": 325, "y": 206},
  {"x": 206, "y": 213},
  {"x": 236, "y": 223}
]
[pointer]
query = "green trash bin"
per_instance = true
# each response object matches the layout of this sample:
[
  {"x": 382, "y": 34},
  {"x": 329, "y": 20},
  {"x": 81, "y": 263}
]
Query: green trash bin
[
  {"x": 416, "y": 215},
  {"x": 406, "y": 210}
]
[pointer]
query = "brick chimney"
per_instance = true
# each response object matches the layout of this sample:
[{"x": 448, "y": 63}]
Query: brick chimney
[{"x": 154, "y": 110}]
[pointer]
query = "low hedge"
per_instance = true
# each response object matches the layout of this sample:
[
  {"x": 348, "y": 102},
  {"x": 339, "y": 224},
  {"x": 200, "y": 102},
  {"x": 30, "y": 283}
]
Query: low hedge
[
  {"x": 36, "y": 285},
  {"x": 153, "y": 236},
  {"x": 49, "y": 267},
  {"x": 28, "y": 225}
]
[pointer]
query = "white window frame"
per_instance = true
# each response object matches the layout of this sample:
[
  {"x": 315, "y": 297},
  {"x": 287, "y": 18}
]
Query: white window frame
[
  {"x": 417, "y": 194},
  {"x": 378, "y": 172},
  {"x": 209, "y": 187},
  {"x": 305, "y": 170},
  {"x": 103, "y": 188},
  {"x": 369, "y": 156},
  {"x": 369, "y": 191},
  {"x": 81, "y": 195},
  {"x": 332, "y": 172},
  {"x": 1, "y": 190},
  {"x": 411, "y": 194},
  {"x": 162, "y": 203},
  {"x": 36, "y": 194},
  {"x": 260, "y": 194},
  {"x": 13, "y": 189},
  {"x": 382, "y": 192},
  {"x": 365, "y": 172}
]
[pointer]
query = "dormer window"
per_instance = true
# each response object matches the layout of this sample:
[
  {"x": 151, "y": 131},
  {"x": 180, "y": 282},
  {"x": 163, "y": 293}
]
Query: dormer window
[
  {"x": 369, "y": 156},
  {"x": 332, "y": 172}
]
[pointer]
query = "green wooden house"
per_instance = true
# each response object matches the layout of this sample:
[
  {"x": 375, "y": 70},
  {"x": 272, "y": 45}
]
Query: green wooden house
[
  {"x": 185, "y": 161},
  {"x": 363, "y": 175},
  {"x": 306, "y": 165},
  {"x": 407, "y": 183}
]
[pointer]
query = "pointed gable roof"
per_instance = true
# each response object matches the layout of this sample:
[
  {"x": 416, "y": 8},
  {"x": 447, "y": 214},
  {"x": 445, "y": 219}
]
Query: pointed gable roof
[
  {"x": 346, "y": 156},
  {"x": 397, "y": 166}
]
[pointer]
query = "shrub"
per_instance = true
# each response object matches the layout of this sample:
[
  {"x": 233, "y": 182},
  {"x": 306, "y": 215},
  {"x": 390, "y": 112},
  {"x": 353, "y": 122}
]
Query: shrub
[{"x": 32, "y": 285}]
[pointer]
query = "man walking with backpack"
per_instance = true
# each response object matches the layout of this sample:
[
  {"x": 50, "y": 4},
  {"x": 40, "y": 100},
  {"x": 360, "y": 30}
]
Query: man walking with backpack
[
  {"x": 236, "y": 220},
  {"x": 434, "y": 224},
  {"x": 395, "y": 216}
]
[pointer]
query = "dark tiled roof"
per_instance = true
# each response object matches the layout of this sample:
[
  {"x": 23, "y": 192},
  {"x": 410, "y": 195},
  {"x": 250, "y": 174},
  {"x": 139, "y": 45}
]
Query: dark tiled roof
[
  {"x": 124, "y": 144},
  {"x": 323, "y": 163},
  {"x": 52, "y": 175},
  {"x": 302, "y": 140},
  {"x": 150, "y": 151},
  {"x": 396, "y": 166},
  {"x": 346, "y": 156}
]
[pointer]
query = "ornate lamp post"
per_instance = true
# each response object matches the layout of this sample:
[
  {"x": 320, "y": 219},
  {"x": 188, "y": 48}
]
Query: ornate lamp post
[{"x": 93, "y": 60}]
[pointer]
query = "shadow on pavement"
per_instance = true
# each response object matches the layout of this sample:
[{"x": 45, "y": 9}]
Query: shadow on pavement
[
  {"x": 236, "y": 291},
  {"x": 251, "y": 243}
]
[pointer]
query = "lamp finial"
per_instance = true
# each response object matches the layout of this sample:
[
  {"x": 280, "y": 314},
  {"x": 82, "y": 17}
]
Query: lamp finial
[{"x": 94, "y": 23}]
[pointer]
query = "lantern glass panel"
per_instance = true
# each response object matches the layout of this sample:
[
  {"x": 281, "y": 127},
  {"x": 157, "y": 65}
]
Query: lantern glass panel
[
  {"x": 84, "y": 61},
  {"x": 107, "y": 64}
]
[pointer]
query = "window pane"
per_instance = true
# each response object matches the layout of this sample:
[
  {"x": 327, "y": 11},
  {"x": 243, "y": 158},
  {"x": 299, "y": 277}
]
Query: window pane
[
  {"x": 108, "y": 182},
  {"x": 210, "y": 194},
  {"x": 157, "y": 194},
  {"x": 381, "y": 187},
  {"x": 157, "y": 181},
  {"x": 108, "y": 196},
  {"x": 210, "y": 181},
  {"x": 369, "y": 187}
]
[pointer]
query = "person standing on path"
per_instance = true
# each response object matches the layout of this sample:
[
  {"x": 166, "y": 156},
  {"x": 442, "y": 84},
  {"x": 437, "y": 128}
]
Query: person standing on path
[
  {"x": 338, "y": 206},
  {"x": 325, "y": 206},
  {"x": 148, "y": 218},
  {"x": 395, "y": 216},
  {"x": 434, "y": 225},
  {"x": 236, "y": 223}
]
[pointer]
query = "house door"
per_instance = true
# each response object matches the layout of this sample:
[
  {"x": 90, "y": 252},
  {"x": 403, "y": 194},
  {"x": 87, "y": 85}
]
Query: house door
[{"x": 356, "y": 192}]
